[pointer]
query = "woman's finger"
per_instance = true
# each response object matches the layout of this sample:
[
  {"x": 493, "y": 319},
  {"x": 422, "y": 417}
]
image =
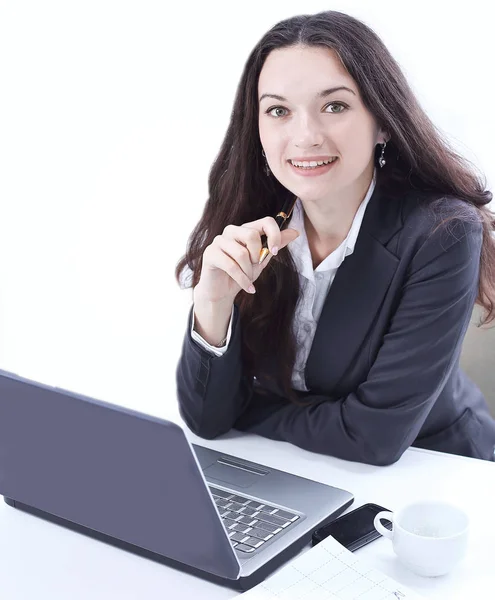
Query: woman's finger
[
  {"x": 238, "y": 252},
  {"x": 215, "y": 257},
  {"x": 269, "y": 227}
]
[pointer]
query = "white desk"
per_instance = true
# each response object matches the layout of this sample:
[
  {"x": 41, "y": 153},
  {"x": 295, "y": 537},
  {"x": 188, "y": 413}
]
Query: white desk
[{"x": 40, "y": 560}]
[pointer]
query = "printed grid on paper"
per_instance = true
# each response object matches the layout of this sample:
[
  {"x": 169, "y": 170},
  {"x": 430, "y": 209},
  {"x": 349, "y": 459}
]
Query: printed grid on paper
[{"x": 329, "y": 572}]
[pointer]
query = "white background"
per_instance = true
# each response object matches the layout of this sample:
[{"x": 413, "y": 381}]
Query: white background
[{"x": 111, "y": 114}]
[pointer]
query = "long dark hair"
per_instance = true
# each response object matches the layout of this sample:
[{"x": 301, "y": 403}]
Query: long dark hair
[{"x": 239, "y": 191}]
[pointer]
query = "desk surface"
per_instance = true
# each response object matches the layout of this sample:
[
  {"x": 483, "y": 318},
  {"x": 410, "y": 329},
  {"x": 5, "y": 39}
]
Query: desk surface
[{"x": 42, "y": 560}]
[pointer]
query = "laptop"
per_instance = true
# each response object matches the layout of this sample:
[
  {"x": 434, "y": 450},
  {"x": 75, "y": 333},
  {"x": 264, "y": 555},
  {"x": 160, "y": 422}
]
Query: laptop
[{"x": 135, "y": 481}]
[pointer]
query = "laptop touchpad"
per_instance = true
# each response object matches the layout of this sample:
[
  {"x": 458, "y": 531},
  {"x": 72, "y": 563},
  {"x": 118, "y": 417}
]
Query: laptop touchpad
[{"x": 234, "y": 472}]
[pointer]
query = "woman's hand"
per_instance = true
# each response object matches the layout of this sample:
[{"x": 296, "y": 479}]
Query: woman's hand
[{"x": 230, "y": 262}]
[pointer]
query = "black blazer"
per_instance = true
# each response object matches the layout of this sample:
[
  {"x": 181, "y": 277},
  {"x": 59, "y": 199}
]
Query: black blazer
[{"x": 383, "y": 371}]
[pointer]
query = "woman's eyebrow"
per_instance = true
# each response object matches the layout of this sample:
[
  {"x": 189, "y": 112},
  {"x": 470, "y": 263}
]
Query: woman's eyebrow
[{"x": 322, "y": 94}]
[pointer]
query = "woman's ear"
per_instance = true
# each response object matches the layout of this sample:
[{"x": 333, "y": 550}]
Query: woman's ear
[{"x": 383, "y": 136}]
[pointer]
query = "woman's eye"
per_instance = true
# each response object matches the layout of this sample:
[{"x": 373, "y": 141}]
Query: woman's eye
[
  {"x": 338, "y": 105},
  {"x": 276, "y": 110},
  {"x": 333, "y": 107}
]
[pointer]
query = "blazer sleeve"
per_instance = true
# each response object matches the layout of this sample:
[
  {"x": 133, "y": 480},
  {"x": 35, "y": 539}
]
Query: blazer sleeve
[
  {"x": 212, "y": 391},
  {"x": 377, "y": 422}
]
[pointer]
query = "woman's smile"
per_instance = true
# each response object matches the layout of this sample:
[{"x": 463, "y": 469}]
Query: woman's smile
[{"x": 311, "y": 168}]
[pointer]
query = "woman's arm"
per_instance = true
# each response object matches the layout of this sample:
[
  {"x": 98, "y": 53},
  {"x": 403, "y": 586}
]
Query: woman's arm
[
  {"x": 382, "y": 418},
  {"x": 212, "y": 390}
]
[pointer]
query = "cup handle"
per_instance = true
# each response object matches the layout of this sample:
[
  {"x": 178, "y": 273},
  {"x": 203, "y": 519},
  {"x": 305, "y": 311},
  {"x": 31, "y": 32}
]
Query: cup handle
[{"x": 388, "y": 516}]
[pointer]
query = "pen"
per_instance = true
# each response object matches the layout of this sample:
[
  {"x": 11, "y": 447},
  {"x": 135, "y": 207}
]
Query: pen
[{"x": 280, "y": 218}]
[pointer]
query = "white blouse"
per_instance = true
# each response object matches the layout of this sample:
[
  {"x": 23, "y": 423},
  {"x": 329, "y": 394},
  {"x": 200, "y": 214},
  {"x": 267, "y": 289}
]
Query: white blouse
[{"x": 314, "y": 286}]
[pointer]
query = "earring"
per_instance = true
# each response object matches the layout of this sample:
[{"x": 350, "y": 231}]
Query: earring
[
  {"x": 381, "y": 161},
  {"x": 266, "y": 168}
]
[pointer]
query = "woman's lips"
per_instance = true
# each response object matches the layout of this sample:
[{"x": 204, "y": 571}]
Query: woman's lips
[{"x": 314, "y": 171}]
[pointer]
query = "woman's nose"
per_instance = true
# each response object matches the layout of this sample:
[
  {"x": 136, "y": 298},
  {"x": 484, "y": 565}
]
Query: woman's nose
[{"x": 307, "y": 133}]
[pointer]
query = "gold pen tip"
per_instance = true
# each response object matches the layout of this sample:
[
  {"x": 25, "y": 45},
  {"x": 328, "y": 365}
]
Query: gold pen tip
[{"x": 263, "y": 254}]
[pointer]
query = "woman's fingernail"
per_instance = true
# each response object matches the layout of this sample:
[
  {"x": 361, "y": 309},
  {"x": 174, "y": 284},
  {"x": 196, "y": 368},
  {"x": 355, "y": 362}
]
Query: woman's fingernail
[
  {"x": 275, "y": 250},
  {"x": 251, "y": 289}
]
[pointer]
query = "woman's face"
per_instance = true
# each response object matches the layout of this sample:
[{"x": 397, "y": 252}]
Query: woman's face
[{"x": 310, "y": 109}]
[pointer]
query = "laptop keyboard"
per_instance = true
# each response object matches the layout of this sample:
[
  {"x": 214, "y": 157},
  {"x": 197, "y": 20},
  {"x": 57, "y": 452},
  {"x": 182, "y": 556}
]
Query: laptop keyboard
[{"x": 250, "y": 523}]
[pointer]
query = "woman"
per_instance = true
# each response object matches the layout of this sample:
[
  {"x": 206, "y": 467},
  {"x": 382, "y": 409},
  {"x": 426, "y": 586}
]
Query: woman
[{"x": 346, "y": 339}]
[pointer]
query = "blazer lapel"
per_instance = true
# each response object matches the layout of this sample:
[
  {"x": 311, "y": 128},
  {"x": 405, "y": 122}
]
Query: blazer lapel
[{"x": 355, "y": 295}]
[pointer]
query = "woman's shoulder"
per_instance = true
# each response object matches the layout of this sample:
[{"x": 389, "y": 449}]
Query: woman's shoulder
[
  {"x": 448, "y": 216},
  {"x": 441, "y": 230}
]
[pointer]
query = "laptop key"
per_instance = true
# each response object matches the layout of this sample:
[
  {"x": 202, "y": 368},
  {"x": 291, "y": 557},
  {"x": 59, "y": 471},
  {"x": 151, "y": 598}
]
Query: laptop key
[
  {"x": 221, "y": 502},
  {"x": 272, "y": 519},
  {"x": 225, "y": 513},
  {"x": 267, "y": 509},
  {"x": 244, "y": 548},
  {"x": 221, "y": 493},
  {"x": 235, "y": 506},
  {"x": 239, "y": 499},
  {"x": 255, "y": 505},
  {"x": 267, "y": 527},
  {"x": 283, "y": 514},
  {"x": 228, "y": 523},
  {"x": 246, "y": 520},
  {"x": 238, "y": 537},
  {"x": 254, "y": 542},
  {"x": 249, "y": 512},
  {"x": 241, "y": 528},
  {"x": 259, "y": 533}
]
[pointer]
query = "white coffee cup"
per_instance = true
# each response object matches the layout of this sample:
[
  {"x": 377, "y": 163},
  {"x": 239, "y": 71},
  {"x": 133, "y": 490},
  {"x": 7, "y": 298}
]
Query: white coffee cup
[{"x": 429, "y": 538}]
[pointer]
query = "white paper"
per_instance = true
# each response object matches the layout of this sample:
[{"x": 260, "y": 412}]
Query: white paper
[{"x": 328, "y": 571}]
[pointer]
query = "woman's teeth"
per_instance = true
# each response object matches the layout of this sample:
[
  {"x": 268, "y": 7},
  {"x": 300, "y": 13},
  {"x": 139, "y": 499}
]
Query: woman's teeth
[{"x": 312, "y": 164}]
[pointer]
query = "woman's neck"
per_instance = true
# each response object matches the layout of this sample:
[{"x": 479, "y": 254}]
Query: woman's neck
[{"x": 328, "y": 221}]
